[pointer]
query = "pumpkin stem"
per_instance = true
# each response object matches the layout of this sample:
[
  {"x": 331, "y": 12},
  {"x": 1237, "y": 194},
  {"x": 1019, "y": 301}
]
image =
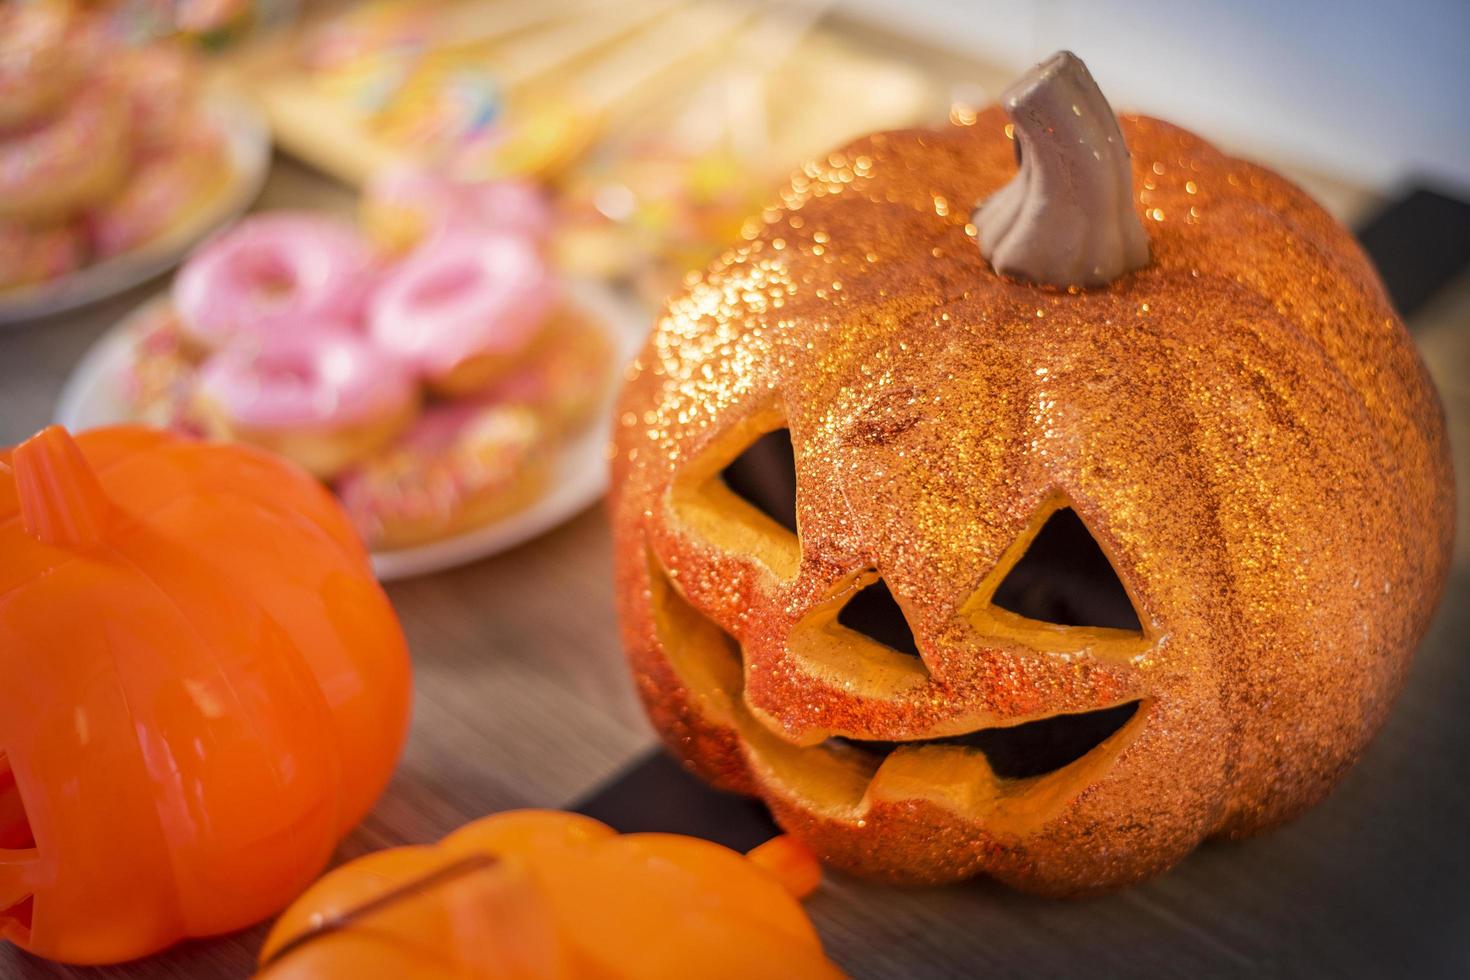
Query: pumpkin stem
[
  {"x": 789, "y": 862},
  {"x": 61, "y": 501},
  {"x": 1067, "y": 217}
]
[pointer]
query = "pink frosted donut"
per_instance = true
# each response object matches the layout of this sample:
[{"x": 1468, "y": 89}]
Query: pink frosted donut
[
  {"x": 159, "y": 382},
  {"x": 67, "y": 161},
  {"x": 168, "y": 186},
  {"x": 324, "y": 399},
  {"x": 273, "y": 274},
  {"x": 567, "y": 375},
  {"x": 463, "y": 307},
  {"x": 460, "y": 466},
  {"x": 38, "y": 67},
  {"x": 162, "y": 83},
  {"x": 403, "y": 206}
]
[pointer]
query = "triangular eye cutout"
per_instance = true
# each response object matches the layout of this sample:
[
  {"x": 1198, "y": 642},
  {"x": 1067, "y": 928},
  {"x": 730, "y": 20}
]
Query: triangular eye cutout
[
  {"x": 764, "y": 476},
  {"x": 738, "y": 494},
  {"x": 1064, "y": 578},
  {"x": 874, "y": 613}
]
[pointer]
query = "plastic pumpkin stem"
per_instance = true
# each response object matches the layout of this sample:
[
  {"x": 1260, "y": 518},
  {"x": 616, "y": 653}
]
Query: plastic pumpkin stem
[
  {"x": 61, "y": 501},
  {"x": 1067, "y": 217},
  {"x": 789, "y": 862}
]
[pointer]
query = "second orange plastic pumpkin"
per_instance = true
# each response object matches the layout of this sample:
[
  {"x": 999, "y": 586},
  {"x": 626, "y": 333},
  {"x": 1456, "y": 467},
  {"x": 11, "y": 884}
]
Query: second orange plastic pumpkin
[
  {"x": 543, "y": 895},
  {"x": 202, "y": 687}
]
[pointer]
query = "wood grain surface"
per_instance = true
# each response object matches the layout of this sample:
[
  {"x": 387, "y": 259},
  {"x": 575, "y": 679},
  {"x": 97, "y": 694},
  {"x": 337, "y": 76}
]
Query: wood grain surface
[{"x": 521, "y": 700}]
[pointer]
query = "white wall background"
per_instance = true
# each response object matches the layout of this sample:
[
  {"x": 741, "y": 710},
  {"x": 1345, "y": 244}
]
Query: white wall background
[{"x": 1374, "y": 92}]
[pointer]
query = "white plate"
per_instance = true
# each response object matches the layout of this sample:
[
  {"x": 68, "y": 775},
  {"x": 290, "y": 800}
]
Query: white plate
[
  {"x": 247, "y": 141},
  {"x": 93, "y": 396}
]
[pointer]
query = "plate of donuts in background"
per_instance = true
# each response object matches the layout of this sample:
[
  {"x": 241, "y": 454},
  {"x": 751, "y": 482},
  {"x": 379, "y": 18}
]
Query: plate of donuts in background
[
  {"x": 426, "y": 363},
  {"x": 115, "y": 157}
]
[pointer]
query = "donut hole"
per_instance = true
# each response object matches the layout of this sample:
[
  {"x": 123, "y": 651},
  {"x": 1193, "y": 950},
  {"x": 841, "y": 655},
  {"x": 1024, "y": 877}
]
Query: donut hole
[
  {"x": 267, "y": 274},
  {"x": 444, "y": 285}
]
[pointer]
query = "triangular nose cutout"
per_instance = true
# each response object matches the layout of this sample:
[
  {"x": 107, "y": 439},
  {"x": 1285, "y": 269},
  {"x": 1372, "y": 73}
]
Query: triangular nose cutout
[
  {"x": 874, "y": 613},
  {"x": 1064, "y": 578},
  {"x": 764, "y": 476}
]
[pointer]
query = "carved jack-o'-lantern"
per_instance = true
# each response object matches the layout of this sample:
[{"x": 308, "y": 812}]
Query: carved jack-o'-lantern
[{"x": 1109, "y": 535}]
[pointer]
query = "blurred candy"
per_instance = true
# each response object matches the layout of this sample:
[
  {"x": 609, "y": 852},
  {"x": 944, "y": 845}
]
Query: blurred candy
[
  {"x": 404, "y": 206},
  {"x": 35, "y": 254}
]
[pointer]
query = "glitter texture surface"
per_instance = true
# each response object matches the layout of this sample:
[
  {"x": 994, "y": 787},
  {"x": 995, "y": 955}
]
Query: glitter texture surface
[{"x": 1243, "y": 425}]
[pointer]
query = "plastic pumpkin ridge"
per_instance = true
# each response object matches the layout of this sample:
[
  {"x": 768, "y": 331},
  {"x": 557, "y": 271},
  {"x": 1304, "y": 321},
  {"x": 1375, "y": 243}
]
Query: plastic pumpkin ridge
[
  {"x": 202, "y": 687},
  {"x": 549, "y": 895}
]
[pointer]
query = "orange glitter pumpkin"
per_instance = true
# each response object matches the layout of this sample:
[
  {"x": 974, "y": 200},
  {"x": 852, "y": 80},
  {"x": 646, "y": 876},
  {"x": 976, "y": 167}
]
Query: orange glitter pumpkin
[
  {"x": 1061, "y": 581},
  {"x": 202, "y": 687},
  {"x": 543, "y": 894}
]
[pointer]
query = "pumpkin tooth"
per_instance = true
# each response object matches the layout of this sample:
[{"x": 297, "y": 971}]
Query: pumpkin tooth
[
  {"x": 965, "y": 782},
  {"x": 61, "y": 501},
  {"x": 961, "y": 782}
]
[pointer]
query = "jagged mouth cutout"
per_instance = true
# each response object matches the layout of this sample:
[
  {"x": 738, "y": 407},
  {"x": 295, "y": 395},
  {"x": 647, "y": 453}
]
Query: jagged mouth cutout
[
  {"x": 1054, "y": 591},
  {"x": 1008, "y": 776},
  {"x": 17, "y": 845},
  {"x": 1027, "y": 750}
]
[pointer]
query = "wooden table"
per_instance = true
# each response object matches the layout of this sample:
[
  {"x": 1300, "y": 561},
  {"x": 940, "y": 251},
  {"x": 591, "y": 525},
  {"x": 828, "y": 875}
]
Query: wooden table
[{"x": 521, "y": 700}]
